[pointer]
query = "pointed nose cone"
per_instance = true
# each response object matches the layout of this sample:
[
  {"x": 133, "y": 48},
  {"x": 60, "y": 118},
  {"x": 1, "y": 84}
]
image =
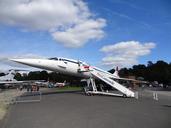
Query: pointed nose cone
[
  {"x": 23, "y": 61},
  {"x": 15, "y": 60},
  {"x": 30, "y": 62},
  {"x": 37, "y": 63}
]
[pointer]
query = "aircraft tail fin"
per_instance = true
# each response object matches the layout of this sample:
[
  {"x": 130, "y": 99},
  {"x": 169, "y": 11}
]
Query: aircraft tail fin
[
  {"x": 9, "y": 76},
  {"x": 116, "y": 73}
]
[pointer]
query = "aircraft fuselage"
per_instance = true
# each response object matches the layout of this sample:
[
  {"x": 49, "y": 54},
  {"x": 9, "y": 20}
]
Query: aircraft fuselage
[{"x": 61, "y": 65}]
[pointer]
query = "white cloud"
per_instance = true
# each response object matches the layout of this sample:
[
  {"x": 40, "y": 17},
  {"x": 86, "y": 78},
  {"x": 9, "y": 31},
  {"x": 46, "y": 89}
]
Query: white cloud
[
  {"x": 81, "y": 33},
  {"x": 125, "y": 53},
  {"x": 69, "y": 21}
]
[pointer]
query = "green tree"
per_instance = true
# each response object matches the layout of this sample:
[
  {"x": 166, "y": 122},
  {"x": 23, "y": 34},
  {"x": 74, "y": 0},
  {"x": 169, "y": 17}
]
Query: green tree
[
  {"x": 18, "y": 77},
  {"x": 2, "y": 74}
]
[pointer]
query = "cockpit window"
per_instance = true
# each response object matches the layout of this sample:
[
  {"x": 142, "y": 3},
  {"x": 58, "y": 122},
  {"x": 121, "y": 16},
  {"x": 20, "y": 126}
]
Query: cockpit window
[{"x": 53, "y": 58}]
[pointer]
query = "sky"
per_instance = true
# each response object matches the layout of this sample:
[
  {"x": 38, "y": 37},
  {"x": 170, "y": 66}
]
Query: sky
[{"x": 104, "y": 33}]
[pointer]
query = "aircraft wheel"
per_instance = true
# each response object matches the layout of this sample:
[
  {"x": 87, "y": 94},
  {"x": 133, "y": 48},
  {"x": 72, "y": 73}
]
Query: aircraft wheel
[{"x": 124, "y": 95}]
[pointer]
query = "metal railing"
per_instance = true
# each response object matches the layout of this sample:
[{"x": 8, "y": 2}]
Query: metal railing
[{"x": 34, "y": 96}]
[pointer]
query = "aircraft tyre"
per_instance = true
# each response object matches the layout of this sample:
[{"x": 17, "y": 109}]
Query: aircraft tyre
[{"x": 124, "y": 95}]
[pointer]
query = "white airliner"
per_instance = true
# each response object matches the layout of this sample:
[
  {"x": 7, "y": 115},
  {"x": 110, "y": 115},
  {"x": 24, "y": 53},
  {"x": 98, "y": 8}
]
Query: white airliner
[
  {"x": 9, "y": 76},
  {"x": 80, "y": 69},
  {"x": 8, "y": 79}
]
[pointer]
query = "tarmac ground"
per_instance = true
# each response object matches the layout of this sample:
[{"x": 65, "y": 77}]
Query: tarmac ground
[{"x": 75, "y": 110}]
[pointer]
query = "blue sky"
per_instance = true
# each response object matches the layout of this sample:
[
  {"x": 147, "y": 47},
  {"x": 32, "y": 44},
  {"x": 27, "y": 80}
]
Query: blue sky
[{"x": 126, "y": 32}]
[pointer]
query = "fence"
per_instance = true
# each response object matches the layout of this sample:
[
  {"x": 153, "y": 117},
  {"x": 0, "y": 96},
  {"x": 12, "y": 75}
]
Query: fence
[{"x": 35, "y": 96}]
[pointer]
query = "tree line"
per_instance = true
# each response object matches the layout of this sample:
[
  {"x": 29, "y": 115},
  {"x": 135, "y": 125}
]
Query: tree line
[
  {"x": 159, "y": 71},
  {"x": 52, "y": 77}
]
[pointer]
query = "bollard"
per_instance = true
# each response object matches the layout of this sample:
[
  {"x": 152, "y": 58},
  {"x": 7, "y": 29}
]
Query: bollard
[
  {"x": 136, "y": 95},
  {"x": 155, "y": 96}
]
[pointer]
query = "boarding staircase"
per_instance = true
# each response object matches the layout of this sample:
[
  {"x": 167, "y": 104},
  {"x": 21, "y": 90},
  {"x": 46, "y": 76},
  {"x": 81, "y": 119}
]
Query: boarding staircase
[{"x": 125, "y": 91}]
